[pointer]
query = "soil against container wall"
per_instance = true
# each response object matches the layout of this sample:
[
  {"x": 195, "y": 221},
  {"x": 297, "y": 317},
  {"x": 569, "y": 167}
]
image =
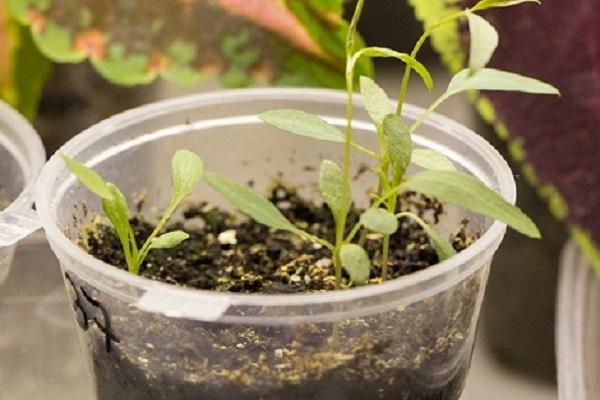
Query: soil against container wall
[{"x": 421, "y": 351}]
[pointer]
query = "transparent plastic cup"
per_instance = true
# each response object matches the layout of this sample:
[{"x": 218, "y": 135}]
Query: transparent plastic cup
[
  {"x": 407, "y": 338},
  {"x": 21, "y": 159},
  {"x": 578, "y": 327}
]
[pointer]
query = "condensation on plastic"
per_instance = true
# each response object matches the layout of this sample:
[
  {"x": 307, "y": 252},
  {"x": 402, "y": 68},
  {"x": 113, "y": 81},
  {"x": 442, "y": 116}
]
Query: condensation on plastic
[
  {"x": 21, "y": 158},
  {"x": 133, "y": 150},
  {"x": 578, "y": 327}
]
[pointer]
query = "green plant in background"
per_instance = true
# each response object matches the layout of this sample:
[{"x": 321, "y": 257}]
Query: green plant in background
[
  {"x": 23, "y": 69},
  {"x": 439, "y": 178},
  {"x": 294, "y": 42}
]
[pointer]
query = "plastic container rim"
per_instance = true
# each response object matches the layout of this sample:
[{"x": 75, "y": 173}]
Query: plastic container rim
[
  {"x": 35, "y": 154},
  {"x": 482, "y": 247}
]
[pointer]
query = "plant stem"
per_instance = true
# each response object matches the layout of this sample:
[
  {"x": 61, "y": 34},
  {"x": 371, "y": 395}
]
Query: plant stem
[
  {"x": 415, "y": 52},
  {"x": 342, "y": 219},
  {"x": 428, "y": 112},
  {"x": 385, "y": 252}
]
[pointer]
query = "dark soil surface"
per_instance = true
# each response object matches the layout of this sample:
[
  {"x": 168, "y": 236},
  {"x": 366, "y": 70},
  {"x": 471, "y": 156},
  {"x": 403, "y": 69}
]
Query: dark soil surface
[
  {"x": 227, "y": 254},
  {"x": 415, "y": 351}
]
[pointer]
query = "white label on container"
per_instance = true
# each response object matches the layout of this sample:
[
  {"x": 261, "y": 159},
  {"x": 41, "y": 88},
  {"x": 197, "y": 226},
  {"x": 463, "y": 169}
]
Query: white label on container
[{"x": 183, "y": 305}]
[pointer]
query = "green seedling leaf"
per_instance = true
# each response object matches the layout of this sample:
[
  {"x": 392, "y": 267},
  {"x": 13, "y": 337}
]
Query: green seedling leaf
[
  {"x": 431, "y": 159},
  {"x": 169, "y": 240},
  {"x": 88, "y": 178},
  {"x": 485, "y": 4},
  {"x": 188, "y": 170},
  {"x": 443, "y": 248},
  {"x": 256, "y": 207},
  {"x": 333, "y": 187},
  {"x": 375, "y": 99},
  {"x": 493, "y": 79},
  {"x": 470, "y": 194},
  {"x": 399, "y": 145},
  {"x": 484, "y": 41},
  {"x": 116, "y": 210},
  {"x": 356, "y": 263},
  {"x": 303, "y": 124},
  {"x": 382, "y": 52},
  {"x": 380, "y": 221}
]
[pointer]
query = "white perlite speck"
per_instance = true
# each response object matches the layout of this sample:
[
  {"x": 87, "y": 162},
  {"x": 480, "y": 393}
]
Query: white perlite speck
[{"x": 228, "y": 237}]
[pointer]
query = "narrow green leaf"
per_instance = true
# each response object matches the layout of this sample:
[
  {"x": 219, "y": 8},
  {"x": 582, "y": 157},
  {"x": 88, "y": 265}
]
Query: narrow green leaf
[
  {"x": 443, "y": 248},
  {"x": 470, "y": 194},
  {"x": 169, "y": 240},
  {"x": 399, "y": 145},
  {"x": 333, "y": 187},
  {"x": 484, "y": 41},
  {"x": 431, "y": 159},
  {"x": 375, "y": 99},
  {"x": 256, "y": 207},
  {"x": 356, "y": 263},
  {"x": 382, "y": 52},
  {"x": 485, "y": 4},
  {"x": 116, "y": 210},
  {"x": 493, "y": 79},
  {"x": 380, "y": 221},
  {"x": 303, "y": 124},
  {"x": 88, "y": 178},
  {"x": 188, "y": 170}
]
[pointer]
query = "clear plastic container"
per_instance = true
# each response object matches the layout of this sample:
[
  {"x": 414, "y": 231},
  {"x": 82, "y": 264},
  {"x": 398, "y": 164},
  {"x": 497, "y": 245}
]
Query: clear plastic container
[
  {"x": 21, "y": 159},
  {"x": 578, "y": 327},
  {"x": 407, "y": 338}
]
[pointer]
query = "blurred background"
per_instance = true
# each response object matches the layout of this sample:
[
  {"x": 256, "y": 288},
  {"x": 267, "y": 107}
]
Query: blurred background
[{"x": 515, "y": 358}]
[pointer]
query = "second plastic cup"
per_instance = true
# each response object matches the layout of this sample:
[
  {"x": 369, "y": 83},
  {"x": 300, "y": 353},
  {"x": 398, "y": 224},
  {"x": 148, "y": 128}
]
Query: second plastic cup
[{"x": 21, "y": 158}]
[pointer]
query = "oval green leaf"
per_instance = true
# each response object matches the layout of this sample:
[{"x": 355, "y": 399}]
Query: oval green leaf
[
  {"x": 399, "y": 145},
  {"x": 380, "y": 221},
  {"x": 88, "y": 178},
  {"x": 484, "y": 41},
  {"x": 188, "y": 170},
  {"x": 485, "y": 4},
  {"x": 431, "y": 159},
  {"x": 303, "y": 124},
  {"x": 169, "y": 240},
  {"x": 256, "y": 207},
  {"x": 470, "y": 194},
  {"x": 355, "y": 261},
  {"x": 494, "y": 79},
  {"x": 383, "y": 52},
  {"x": 442, "y": 247},
  {"x": 333, "y": 187},
  {"x": 375, "y": 99}
]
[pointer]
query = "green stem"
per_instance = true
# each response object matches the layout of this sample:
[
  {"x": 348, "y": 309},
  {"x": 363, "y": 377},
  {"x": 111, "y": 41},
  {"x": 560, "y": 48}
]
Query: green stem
[
  {"x": 337, "y": 263},
  {"x": 161, "y": 224},
  {"x": 415, "y": 52},
  {"x": 364, "y": 150},
  {"x": 428, "y": 112},
  {"x": 415, "y": 218},
  {"x": 385, "y": 252},
  {"x": 345, "y": 195}
]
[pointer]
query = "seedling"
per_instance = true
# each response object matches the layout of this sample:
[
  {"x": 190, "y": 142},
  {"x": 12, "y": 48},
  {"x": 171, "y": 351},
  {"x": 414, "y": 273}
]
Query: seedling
[
  {"x": 439, "y": 177},
  {"x": 187, "y": 172}
]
